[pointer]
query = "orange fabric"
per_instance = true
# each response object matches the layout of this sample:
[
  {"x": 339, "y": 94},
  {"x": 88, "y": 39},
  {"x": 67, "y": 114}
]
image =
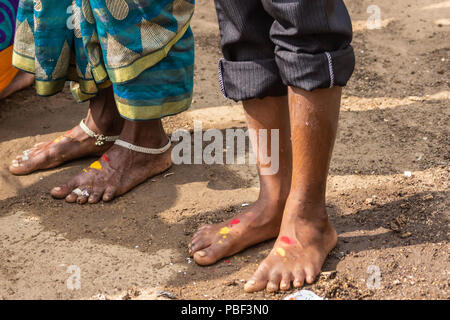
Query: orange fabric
[{"x": 7, "y": 71}]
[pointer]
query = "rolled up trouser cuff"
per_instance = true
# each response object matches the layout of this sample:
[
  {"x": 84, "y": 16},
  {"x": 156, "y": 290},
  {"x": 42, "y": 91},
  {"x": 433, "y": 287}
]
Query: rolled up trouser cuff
[
  {"x": 243, "y": 80},
  {"x": 315, "y": 71}
]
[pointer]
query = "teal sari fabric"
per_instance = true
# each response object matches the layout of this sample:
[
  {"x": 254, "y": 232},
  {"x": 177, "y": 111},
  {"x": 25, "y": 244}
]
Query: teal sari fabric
[{"x": 143, "y": 48}]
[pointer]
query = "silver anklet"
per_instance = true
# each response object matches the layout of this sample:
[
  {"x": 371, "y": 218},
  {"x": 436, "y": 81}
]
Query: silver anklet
[
  {"x": 132, "y": 147},
  {"x": 100, "y": 138}
]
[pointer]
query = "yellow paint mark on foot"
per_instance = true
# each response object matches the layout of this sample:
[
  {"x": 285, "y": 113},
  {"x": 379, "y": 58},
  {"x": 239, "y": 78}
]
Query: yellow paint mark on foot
[
  {"x": 84, "y": 170},
  {"x": 224, "y": 230},
  {"x": 96, "y": 165},
  {"x": 281, "y": 252},
  {"x": 58, "y": 139}
]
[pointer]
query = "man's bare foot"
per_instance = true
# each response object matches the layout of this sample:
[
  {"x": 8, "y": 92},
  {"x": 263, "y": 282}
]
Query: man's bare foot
[
  {"x": 119, "y": 169},
  {"x": 259, "y": 222},
  {"x": 306, "y": 238},
  {"x": 20, "y": 81},
  {"x": 102, "y": 118}
]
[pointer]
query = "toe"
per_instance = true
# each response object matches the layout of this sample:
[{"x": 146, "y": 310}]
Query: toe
[
  {"x": 16, "y": 167},
  {"x": 62, "y": 191},
  {"x": 109, "y": 194},
  {"x": 272, "y": 286},
  {"x": 95, "y": 197},
  {"x": 285, "y": 283},
  {"x": 274, "y": 282},
  {"x": 299, "y": 278},
  {"x": 199, "y": 236},
  {"x": 310, "y": 275},
  {"x": 82, "y": 199},
  {"x": 255, "y": 285},
  {"x": 71, "y": 198},
  {"x": 259, "y": 280},
  {"x": 198, "y": 245},
  {"x": 207, "y": 256}
]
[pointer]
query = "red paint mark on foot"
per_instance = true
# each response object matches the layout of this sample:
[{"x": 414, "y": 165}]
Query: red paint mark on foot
[
  {"x": 105, "y": 157},
  {"x": 235, "y": 221},
  {"x": 288, "y": 240}
]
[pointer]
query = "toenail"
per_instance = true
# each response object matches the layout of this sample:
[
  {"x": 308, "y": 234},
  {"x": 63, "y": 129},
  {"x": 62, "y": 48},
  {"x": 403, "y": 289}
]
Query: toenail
[
  {"x": 57, "y": 189},
  {"x": 202, "y": 253},
  {"x": 250, "y": 282},
  {"x": 272, "y": 286}
]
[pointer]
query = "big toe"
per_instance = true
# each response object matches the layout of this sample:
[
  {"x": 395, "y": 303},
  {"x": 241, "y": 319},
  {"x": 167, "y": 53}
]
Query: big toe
[
  {"x": 255, "y": 285},
  {"x": 209, "y": 255},
  {"x": 61, "y": 192},
  {"x": 19, "y": 167}
]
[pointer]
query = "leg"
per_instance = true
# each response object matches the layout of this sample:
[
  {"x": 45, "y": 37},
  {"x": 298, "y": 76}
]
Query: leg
[
  {"x": 20, "y": 81},
  {"x": 102, "y": 118},
  {"x": 260, "y": 221},
  {"x": 306, "y": 235},
  {"x": 164, "y": 89},
  {"x": 120, "y": 169},
  {"x": 249, "y": 74}
]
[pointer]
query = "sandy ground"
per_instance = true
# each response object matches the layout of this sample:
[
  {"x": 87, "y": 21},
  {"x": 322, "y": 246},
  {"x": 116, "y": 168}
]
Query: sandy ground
[{"x": 395, "y": 118}]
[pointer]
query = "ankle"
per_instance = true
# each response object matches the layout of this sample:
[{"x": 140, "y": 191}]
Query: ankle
[
  {"x": 148, "y": 134},
  {"x": 306, "y": 209},
  {"x": 102, "y": 126}
]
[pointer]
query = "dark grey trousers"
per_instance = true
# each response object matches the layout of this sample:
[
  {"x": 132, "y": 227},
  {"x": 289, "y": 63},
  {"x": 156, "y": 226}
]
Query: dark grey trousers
[{"x": 271, "y": 44}]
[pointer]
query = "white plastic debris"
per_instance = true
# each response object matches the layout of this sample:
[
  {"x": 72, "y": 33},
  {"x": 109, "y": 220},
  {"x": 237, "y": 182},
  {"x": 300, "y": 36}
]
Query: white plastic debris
[
  {"x": 165, "y": 294},
  {"x": 407, "y": 174},
  {"x": 245, "y": 205},
  {"x": 303, "y": 295}
]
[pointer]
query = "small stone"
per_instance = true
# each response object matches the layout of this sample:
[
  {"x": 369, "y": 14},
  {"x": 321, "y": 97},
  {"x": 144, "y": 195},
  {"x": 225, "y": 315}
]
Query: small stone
[
  {"x": 405, "y": 235},
  {"x": 329, "y": 274}
]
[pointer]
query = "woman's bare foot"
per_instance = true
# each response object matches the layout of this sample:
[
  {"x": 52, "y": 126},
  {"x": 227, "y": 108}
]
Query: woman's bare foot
[
  {"x": 119, "y": 169},
  {"x": 306, "y": 238},
  {"x": 20, "y": 81},
  {"x": 259, "y": 222},
  {"x": 102, "y": 118}
]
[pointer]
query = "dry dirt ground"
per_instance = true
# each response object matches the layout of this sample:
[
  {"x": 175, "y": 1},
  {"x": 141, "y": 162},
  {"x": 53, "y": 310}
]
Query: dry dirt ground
[{"x": 395, "y": 118}]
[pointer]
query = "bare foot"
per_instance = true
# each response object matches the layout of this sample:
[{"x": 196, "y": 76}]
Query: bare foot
[
  {"x": 299, "y": 251},
  {"x": 20, "y": 81},
  {"x": 119, "y": 170},
  {"x": 102, "y": 118},
  {"x": 259, "y": 222},
  {"x": 71, "y": 145}
]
